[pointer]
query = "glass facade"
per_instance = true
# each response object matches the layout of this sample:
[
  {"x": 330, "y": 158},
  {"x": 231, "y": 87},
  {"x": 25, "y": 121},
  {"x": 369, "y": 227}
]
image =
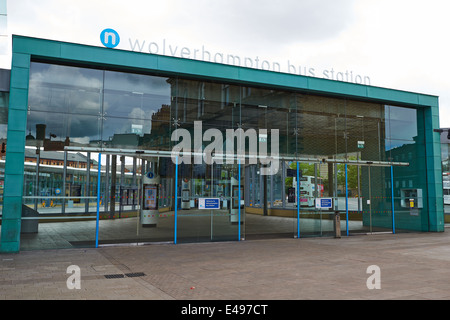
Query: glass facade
[
  {"x": 4, "y": 97},
  {"x": 445, "y": 143},
  {"x": 119, "y": 113}
]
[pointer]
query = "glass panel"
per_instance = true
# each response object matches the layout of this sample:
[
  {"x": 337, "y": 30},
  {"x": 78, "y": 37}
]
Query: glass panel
[
  {"x": 226, "y": 222},
  {"x": 57, "y": 88},
  {"x": 56, "y": 200},
  {"x": 136, "y": 111},
  {"x": 135, "y": 96},
  {"x": 355, "y": 199},
  {"x": 71, "y": 106},
  {"x": 322, "y": 127},
  {"x": 194, "y": 224},
  {"x": 314, "y": 221},
  {"x": 123, "y": 190},
  {"x": 265, "y": 111},
  {"x": 53, "y": 131},
  {"x": 406, "y": 144},
  {"x": 216, "y": 105},
  {"x": 268, "y": 110},
  {"x": 4, "y": 99},
  {"x": 402, "y": 123},
  {"x": 198, "y": 185},
  {"x": 64, "y": 104},
  {"x": 156, "y": 222}
]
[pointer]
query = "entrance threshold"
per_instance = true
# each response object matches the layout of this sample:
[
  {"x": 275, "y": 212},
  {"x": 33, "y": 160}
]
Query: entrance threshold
[
  {"x": 370, "y": 233},
  {"x": 133, "y": 244}
]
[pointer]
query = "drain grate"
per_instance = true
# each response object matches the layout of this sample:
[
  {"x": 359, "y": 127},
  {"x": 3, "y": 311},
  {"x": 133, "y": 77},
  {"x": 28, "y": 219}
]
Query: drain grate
[
  {"x": 114, "y": 276},
  {"x": 121, "y": 275},
  {"x": 135, "y": 274}
]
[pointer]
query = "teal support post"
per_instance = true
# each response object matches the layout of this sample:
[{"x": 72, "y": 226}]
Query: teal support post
[{"x": 15, "y": 153}]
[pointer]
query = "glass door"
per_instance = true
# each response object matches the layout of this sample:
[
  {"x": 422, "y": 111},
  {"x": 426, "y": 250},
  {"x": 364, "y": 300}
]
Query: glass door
[
  {"x": 135, "y": 201},
  {"x": 317, "y": 199},
  {"x": 228, "y": 218},
  {"x": 208, "y": 203},
  {"x": 376, "y": 199}
]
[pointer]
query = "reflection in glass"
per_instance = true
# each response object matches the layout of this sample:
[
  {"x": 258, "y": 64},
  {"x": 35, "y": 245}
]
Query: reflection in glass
[
  {"x": 56, "y": 88},
  {"x": 135, "y": 96},
  {"x": 73, "y": 106}
]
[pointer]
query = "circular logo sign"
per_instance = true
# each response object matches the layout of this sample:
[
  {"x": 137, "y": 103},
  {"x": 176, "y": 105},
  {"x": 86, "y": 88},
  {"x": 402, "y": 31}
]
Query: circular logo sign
[
  {"x": 109, "y": 38},
  {"x": 150, "y": 175}
]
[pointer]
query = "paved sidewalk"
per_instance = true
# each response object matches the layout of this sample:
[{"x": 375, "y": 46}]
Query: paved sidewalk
[{"x": 412, "y": 266}]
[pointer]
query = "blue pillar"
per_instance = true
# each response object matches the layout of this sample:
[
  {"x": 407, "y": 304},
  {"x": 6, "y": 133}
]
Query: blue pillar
[
  {"x": 346, "y": 196},
  {"x": 239, "y": 200},
  {"x": 98, "y": 198},
  {"x": 176, "y": 200},
  {"x": 298, "y": 200},
  {"x": 392, "y": 199}
]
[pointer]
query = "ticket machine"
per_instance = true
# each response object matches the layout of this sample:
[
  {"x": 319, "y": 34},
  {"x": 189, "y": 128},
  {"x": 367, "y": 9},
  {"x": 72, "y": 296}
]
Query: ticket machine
[
  {"x": 236, "y": 201},
  {"x": 185, "y": 195},
  {"x": 411, "y": 198},
  {"x": 150, "y": 191}
]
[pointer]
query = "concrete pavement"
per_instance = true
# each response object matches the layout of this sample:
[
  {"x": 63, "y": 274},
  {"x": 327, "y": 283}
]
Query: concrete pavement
[{"x": 411, "y": 266}]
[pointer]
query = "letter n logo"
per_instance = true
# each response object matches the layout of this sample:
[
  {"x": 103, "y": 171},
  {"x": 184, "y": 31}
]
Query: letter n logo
[{"x": 109, "y": 38}]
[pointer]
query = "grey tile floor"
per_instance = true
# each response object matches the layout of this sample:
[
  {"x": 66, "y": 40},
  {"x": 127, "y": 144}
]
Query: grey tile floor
[
  {"x": 191, "y": 227},
  {"x": 411, "y": 266}
]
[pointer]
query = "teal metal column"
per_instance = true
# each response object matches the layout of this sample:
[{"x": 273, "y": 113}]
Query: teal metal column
[
  {"x": 15, "y": 153},
  {"x": 433, "y": 170},
  {"x": 392, "y": 199}
]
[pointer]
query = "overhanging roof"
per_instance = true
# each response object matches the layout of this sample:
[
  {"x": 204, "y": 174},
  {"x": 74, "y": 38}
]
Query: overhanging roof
[{"x": 26, "y": 48}]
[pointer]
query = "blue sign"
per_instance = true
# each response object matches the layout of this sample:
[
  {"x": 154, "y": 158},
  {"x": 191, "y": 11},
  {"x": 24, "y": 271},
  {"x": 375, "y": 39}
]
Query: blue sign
[
  {"x": 324, "y": 203},
  {"x": 209, "y": 203},
  {"x": 57, "y": 191},
  {"x": 109, "y": 38},
  {"x": 150, "y": 175}
]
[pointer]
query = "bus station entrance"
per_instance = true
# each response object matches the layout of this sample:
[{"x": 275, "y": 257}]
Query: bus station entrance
[
  {"x": 142, "y": 196},
  {"x": 119, "y": 151}
]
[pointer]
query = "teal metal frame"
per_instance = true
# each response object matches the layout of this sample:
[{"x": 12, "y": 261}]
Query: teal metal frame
[{"x": 27, "y": 49}]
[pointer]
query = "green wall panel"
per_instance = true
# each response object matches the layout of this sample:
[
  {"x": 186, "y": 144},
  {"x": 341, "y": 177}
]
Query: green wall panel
[
  {"x": 18, "y": 99},
  {"x": 20, "y": 60},
  {"x": 15, "y": 183},
  {"x": 14, "y": 162},
  {"x": 19, "y": 77},
  {"x": 17, "y": 137},
  {"x": 38, "y": 47}
]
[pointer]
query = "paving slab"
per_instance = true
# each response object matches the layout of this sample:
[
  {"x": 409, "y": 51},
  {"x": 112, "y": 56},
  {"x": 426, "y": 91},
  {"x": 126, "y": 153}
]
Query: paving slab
[{"x": 411, "y": 266}]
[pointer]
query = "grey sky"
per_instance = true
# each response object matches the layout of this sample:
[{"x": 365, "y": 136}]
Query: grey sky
[{"x": 400, "y": 44}]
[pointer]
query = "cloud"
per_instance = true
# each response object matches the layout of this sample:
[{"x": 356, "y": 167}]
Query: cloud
[
  {"x": 246, "y": 24},
  {"x": 400, "y": 44},
  {"x": 265, "y": 23}
]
